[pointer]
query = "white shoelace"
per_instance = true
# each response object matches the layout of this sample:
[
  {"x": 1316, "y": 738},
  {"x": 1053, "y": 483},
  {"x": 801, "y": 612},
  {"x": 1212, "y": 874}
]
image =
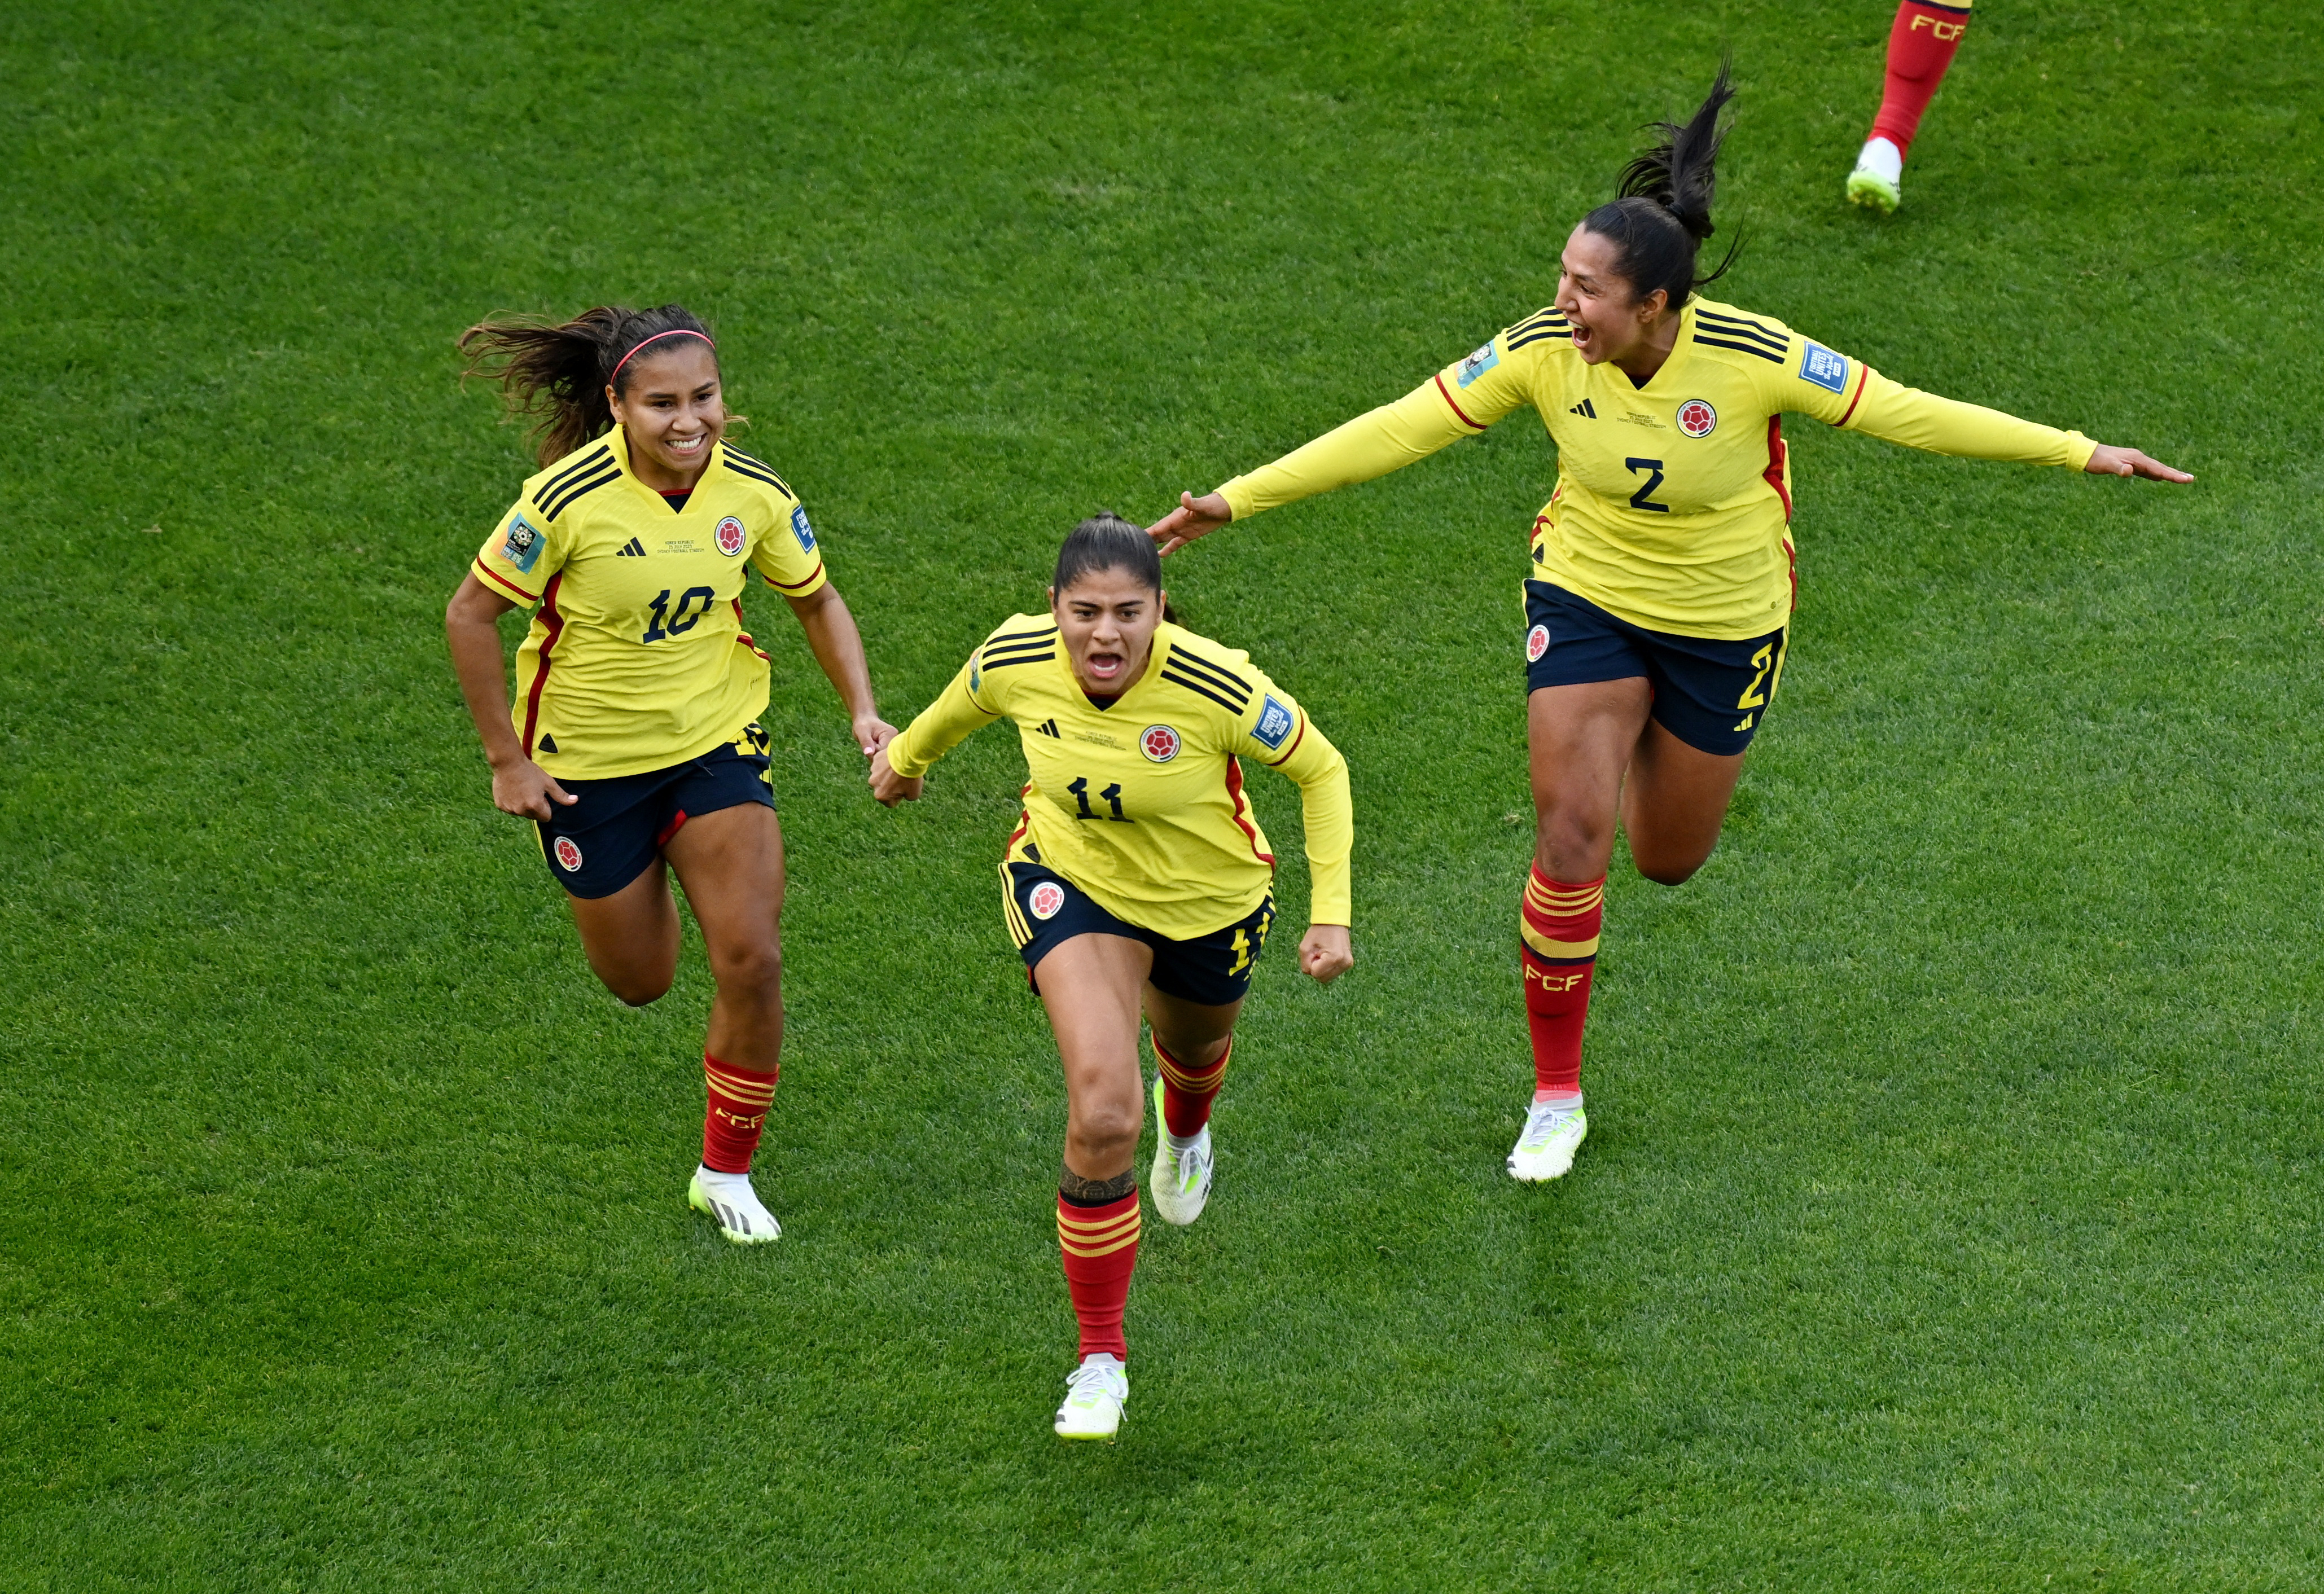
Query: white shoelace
[
  {"x": 1544, "y": 1120},
  {"x": 1095, "y": 1378}
]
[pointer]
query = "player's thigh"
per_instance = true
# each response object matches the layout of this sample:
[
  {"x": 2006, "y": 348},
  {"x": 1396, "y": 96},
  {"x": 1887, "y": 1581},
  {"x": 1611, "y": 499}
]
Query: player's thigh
[
  {"x": 1091, "y": 985},
  {"x": 1675, "y": 803},
  {"x": 629, "y": 936},
  {"x": 1578, "y": 740},
  {"x": 731, "y": 863}
]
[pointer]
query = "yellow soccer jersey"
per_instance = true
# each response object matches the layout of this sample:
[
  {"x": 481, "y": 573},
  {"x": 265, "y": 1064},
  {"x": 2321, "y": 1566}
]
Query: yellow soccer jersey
[
  {"x": 1140, "y": 804},
  {"x": 637, "y": 658},
  {"x": 1674, "y": 499}
]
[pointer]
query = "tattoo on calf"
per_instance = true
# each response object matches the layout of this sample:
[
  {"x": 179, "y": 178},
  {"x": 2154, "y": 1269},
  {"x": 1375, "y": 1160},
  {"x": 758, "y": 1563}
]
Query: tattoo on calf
[{"x": 1093, "y": 1192}]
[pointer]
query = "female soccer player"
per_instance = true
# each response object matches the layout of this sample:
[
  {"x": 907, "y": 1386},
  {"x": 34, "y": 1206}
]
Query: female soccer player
[
  {"x": 634, "y": 740},
  {"x": 1662, "y": 587},
  {"x": 1136, "y": 877}
]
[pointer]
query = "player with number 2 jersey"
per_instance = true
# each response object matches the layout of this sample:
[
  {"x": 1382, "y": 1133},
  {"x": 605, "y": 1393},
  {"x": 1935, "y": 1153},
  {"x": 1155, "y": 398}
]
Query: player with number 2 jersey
[{"x": 1659, "y": 605}]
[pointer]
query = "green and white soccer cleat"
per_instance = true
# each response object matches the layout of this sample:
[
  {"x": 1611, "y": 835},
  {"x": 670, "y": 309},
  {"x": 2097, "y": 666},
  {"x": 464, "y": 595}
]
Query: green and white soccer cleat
[
  {"x": 1877, "y": 183},
  {"x": 1095, "y": 1394},
  {"x": 728, "y": 1200},
  {"x": 1545, "y": 1149},
  {"x": 1180, "y": 1182}
]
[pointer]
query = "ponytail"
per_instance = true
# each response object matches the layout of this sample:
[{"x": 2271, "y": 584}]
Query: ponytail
[
  {"x": 560, "y": 371},
  {"x": 1658, "y": 224}
]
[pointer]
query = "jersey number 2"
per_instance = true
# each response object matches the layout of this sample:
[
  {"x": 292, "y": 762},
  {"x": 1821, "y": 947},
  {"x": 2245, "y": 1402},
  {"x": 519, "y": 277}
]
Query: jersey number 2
[{"x": 1654, "y": 469}]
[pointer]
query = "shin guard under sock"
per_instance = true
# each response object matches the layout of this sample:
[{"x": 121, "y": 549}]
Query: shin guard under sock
[
  {"x": 1099, "y": 1246},
  {"x": 1558, "y": 947},
  {"x": 735, "y": 1116}
]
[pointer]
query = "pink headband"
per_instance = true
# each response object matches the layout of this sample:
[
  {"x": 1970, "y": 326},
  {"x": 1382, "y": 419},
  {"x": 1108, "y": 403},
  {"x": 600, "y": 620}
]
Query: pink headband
[{"x": 656, "y": 337}]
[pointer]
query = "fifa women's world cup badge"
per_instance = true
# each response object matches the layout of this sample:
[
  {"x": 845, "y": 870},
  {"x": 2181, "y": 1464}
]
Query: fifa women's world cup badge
[
  {"x": 1696, "y": 419},
  {"x": 1160, "y": 744},
  {"x": 730, "y": 537}
]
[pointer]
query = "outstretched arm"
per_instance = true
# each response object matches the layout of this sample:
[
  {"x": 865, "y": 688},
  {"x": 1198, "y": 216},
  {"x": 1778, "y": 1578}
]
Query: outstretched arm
[
  {"x": 1899, "y": 414},
  {"x": 1373, "y": 444},
  {"x": 900, "y": 768},
  {"x": 838, "y": 647}
]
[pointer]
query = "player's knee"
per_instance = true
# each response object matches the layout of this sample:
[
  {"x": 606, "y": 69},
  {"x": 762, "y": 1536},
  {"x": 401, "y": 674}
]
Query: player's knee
[
  {"x": 754, "y": 968},
  {"x": 1564, "y": 843},
  {"x": 1102, "y": 1131},
  {"x": 1666, "y": 869},
  {"x": 638, "y": 989},
  {"x": 1668, "y": 874}
]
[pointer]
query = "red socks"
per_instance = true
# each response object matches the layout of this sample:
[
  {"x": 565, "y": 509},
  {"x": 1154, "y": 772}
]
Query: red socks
[
  {"x": 1187, "y": 1093},
  {"x": 1100, "y": 1246},
  {"x": 1559, "y": 949},
  {"x": 1920, "y": 45},
  {"x": 737, "y": 1112}
]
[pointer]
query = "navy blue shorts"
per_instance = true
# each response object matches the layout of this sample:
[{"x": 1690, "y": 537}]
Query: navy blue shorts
[
  {"x": 1709, "y": 695},
  {"x": 1045, "y": 908},
  {"x": 615, "y": 832}
]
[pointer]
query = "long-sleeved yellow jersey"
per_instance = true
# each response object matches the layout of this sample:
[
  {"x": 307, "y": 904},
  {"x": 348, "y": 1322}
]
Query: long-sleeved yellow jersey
[
  {"x": 1140, "y": 803},
  {"x": 1674, "y": 500}
]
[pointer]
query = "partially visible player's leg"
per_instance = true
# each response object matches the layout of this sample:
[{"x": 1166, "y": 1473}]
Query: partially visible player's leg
[
  {"x": 731, "y": 863},
  {"x": 1091, "y": 985},
  {"x": 1581, "y": 737},
  {"x": 1673, "y": 804},
  {"x": 1193, "y": 1042},
  {"x": 630, "y": 936},
  {"x": 1920, "y": 45}
]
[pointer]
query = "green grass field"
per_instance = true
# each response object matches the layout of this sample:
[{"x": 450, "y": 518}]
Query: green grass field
[{"x": 1951, "y": 1213}]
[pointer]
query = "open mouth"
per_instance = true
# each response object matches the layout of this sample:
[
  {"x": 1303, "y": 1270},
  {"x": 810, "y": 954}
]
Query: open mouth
[
  {"x": 1104, "y": 666},
  {"x": 685, "y": 447}
]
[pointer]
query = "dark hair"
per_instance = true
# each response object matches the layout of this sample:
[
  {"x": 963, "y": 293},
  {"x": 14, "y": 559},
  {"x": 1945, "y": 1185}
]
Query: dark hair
[
  {"x": 559, "y": 370},
  {"x": 1105, "y": 541},
  {"x": 1663, "y": 215}
]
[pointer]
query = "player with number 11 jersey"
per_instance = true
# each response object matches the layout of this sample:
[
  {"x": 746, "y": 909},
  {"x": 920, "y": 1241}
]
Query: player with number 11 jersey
[{"x": 1136, "y": 880}]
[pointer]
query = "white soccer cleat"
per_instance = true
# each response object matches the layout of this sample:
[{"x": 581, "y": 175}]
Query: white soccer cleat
[
  {"x": 1546, "y": 1147},
  {"x": 1095, "y": 1394},
  {"x": 730, "y": 1203},
  {"x": 1877, "y": 183},
  {"x": 1180, "y": 1181}
]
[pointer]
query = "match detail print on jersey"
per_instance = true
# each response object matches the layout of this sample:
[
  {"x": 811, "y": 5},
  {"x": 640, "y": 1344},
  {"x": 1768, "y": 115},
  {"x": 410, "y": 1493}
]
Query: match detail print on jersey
[
  {"x": 637, "y": 658},
  {"x": 1673, "y": 502},
  {"x": 1140, "y": 804}
]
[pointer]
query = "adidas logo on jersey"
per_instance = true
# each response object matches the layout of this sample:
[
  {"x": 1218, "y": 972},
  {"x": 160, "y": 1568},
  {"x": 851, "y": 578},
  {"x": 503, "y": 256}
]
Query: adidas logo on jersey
[
  {"x": 632, "y": 549},
  {"x": 1049, "y": 728},
  {"x": 1585, "y": 410}
]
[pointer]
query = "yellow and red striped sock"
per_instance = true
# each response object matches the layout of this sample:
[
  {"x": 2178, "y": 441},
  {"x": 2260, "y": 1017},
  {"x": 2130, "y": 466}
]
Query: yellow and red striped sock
[
  {"x": 736, "y": 1115},
  {"x": 1099, "y": 1246},
  {"x": 1558, "y": 947},
  {"x": 1187, "y": 1093}
]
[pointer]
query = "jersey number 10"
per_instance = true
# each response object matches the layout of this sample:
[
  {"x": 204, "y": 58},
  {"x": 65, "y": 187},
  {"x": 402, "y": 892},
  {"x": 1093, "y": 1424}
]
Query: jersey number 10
[{"x": 668, "y": 623}]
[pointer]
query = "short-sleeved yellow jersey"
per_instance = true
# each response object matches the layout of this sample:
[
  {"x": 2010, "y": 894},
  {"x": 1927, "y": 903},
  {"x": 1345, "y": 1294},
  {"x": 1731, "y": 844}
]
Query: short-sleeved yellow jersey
[
  {"x": 1140, "y": 803},
  {"x": 637, "y": 658},
  {"x": 1674, "y": 498}
]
